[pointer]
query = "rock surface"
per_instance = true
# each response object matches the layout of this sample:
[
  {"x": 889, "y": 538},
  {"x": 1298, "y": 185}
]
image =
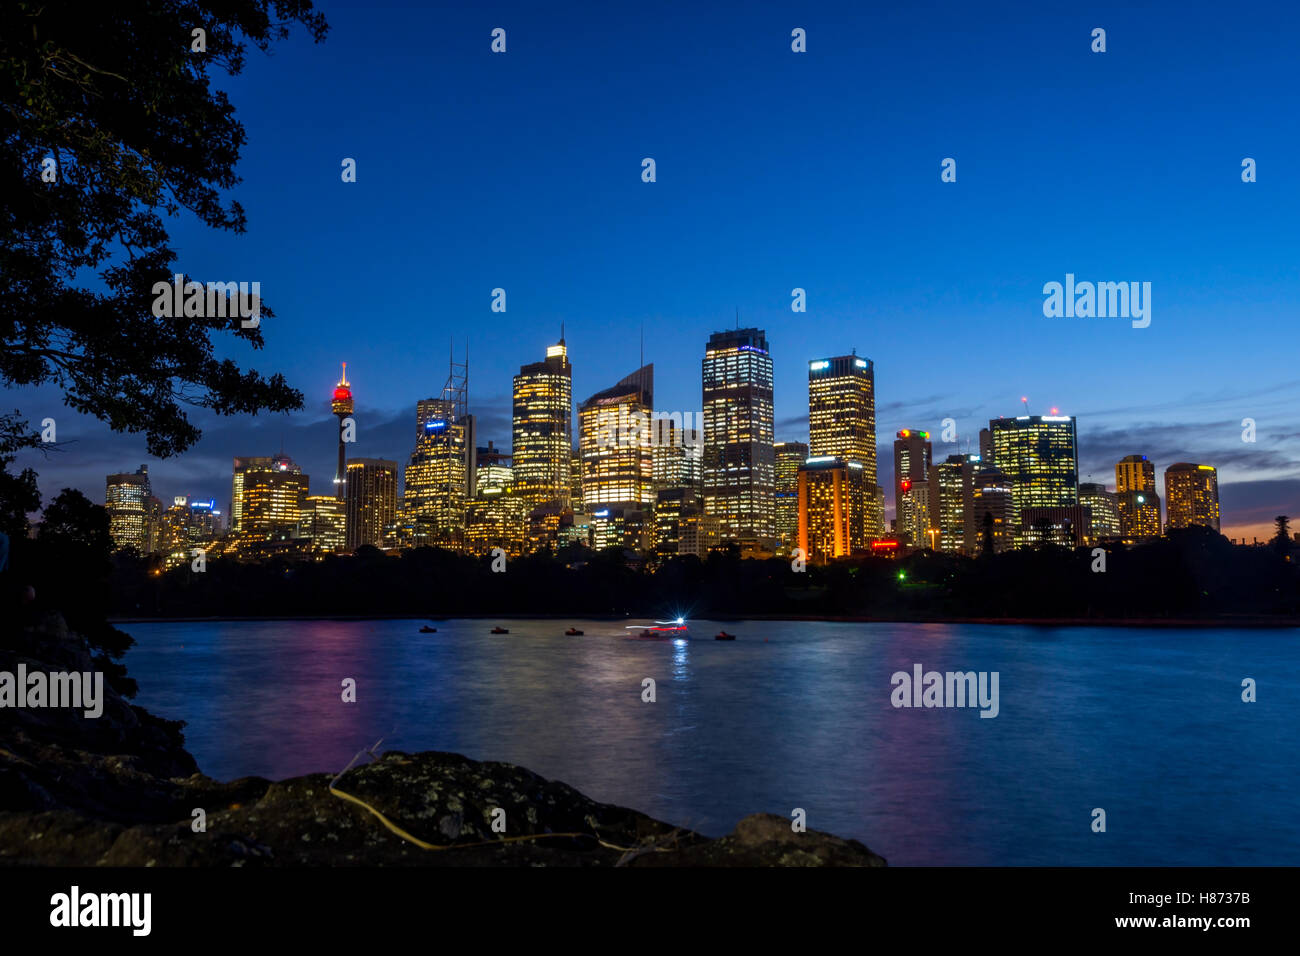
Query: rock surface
[{"x": 121, "y": 791}]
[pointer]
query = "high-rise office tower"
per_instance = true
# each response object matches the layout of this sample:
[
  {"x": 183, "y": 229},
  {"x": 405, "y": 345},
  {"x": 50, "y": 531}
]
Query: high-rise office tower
[
  {"x": 494, "y": 471},
  {"x": 1039, "y": 454},
  {"x": 201, "y": 520},
  {"x": 371, "y": 500},
  {"x": 1135, "y": 473},
  {"x": 241, "y": 467},
  {"x": 341, "y": 406},
  {"x": 1192, "y": 495},
  {"x": 631, "y": 528},
  {"x": 617, "y": 453},
  {"x": 842, "y": 422},
  {"x": 698, "y": 533},
  {"x": 575, "y": 480},
  {"x": 126, "y": 498},
  {"x": 739, "y": 460},
  {"x": 912, "y": 453},
  {"x": 543, "y": 428},
  {"x": 437, "y": 480},
  {"x": 1103, "y": 508},
  {"x": 496, "y": 518},
  {"x": 993, "y": 509},
  {"x": 324, "y": 521},
  {"x": 678, "y": 454},
  {"x": 833, "y": 496},
  {"x": 952, "y": 503},
  {"x": 673, "y": 506},
  {"x": 789, "y": 455},
  {"x": 269, "y": 494},
  {"x": 1139, "y": 505}
]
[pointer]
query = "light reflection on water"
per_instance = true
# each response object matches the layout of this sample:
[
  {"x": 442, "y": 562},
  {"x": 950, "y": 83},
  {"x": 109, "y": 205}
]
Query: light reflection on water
[{"x": 1147, "y": 724}]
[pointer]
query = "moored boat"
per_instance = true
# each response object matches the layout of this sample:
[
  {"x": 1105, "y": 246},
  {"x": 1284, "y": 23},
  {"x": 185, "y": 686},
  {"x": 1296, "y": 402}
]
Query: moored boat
[
  {"x": 724, "y": 636},
  {"x": 573, "y": 632},
  {"x": 500, "y": 630},
  {"x": 426, "y": 629}
]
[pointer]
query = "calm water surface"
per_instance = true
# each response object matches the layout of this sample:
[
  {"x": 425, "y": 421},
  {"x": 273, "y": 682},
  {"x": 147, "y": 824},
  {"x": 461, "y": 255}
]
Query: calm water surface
[{"x": 1147, "y": 724}]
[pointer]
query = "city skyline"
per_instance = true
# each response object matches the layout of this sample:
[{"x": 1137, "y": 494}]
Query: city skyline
[
  {"x": 1024, "y": 483},
  {"x": 769, "y": 186},
  {"x": 889, "y": 489}
]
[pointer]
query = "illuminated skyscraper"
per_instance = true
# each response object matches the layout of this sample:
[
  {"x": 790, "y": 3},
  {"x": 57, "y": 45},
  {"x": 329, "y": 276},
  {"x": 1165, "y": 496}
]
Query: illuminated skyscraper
[
  {"x": 1192, "y": 495},
  {"x": 543, "y": 428},
  {"x": 437, "y": 480},
  {"x": 1135, "y": 473},
  {"x": 575, "y": 480},
  {"x": 698, "y": 533},
  {"x": 842, "y": 423},
  {"x": 202, "y": 520},
  {"x": 993, "y": 508},
  {"x": 187, "y": 525},
  {"x": 1139, "y": 505},
  {"x": 952, "y": 503},
  {"x": 267, "y": 497},
  {"x": 496, "y": 518},
  {"x": 631, "y": 528},
  {"x": 739, "y": 461},
  {"x": 371, "y": 500},
  {"x": 324, "y": 521},
  {"x": 677, "y": 454},
  {"x": 243, "y": 466},
  {"x": 1103, "y": 507},
  {"x": 833, "y": 495},
  {"x": 912, "y": 453},
  {"x": 1039, "y": 454},
  {"x": 672, "y": 505},
  {"x": 341, "y": 406},
  {"x": 494, "y": 471},
  {"x": 617, "y": 453},
  {"x": 789, "y": 455},
  {"x": 126, "y": 498}
]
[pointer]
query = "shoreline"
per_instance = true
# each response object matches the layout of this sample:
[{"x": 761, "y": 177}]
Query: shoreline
[
  {"x": 1261, "y": 621},
  {"x": 121, "y": 790}
]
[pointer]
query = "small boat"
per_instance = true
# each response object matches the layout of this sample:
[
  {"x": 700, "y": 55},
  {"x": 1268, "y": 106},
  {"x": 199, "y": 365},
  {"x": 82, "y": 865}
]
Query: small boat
[
  {"x": 573, "y": 632},
  {"x": 500, "y": 630},
  {"x": 426, "y": 629},
  {"x": 660, "y": 629},
  {"x": 724, "y": 636}
]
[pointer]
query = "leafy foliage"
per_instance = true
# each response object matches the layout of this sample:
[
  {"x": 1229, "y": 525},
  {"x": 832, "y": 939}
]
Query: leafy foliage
[{"x": 114, "y": 94}]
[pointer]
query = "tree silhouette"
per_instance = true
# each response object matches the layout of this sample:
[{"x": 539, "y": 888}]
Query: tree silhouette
[
  {"x": 1282, "y": 537},
  {"x": 110, "y": 121}
]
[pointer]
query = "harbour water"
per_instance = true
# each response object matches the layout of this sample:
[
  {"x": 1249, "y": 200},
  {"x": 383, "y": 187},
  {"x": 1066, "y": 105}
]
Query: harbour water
[{"x": 1148, "y": 725}]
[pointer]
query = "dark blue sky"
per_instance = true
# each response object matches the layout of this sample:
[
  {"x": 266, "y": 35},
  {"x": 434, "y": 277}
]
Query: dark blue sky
[{"x": 775, "y": 170}]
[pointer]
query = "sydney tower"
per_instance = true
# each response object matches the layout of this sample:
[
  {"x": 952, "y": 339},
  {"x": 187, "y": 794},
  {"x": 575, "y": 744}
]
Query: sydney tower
[{"x": 342, "y": 407}]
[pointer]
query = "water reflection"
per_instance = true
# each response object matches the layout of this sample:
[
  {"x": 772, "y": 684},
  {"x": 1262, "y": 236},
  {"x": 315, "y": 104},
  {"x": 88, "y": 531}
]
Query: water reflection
[{"x": 1134, "y": 721}]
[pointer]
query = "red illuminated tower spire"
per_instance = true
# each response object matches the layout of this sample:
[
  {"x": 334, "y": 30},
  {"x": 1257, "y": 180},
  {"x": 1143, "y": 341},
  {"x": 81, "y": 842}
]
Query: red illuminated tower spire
[{"x": 341, "y": 405}]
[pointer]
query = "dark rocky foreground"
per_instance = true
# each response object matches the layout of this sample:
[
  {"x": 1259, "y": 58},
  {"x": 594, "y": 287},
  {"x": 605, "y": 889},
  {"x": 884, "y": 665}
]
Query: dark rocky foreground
[{"x": 121, "y": 790}]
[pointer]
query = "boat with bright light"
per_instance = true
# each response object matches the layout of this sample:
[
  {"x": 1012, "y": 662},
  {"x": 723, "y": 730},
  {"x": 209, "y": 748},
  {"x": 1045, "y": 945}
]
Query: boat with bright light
[{"x": 660, "y": 629}]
